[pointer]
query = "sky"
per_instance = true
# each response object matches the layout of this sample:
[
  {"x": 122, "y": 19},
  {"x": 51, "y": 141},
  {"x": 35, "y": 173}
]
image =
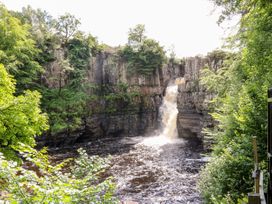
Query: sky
[{"x": 187, "y": 26}]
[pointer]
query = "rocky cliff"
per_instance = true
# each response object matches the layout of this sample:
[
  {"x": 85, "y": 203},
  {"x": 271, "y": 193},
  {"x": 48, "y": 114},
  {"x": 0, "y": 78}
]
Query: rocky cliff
[
  {"x": 126, "y": 104},
  {"x": 121, "y": 103},
  {"x": 193, "y": 99}
]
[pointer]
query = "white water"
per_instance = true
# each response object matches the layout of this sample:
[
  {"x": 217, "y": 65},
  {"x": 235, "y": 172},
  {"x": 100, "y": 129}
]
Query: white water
[{"x": 169, "y": 114}]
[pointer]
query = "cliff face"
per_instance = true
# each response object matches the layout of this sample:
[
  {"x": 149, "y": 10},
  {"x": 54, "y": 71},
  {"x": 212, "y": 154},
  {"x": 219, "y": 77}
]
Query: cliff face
[
  {"x": 121, "y": 104},
  {"x": 126, "y": 104},
  {"x": 141, "y": 114},
  {"x": 133, "y": 117},
  {"x": 193, "y": 100}
]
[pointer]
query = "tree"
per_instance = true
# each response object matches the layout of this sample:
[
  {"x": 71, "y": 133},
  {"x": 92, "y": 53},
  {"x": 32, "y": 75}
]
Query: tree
[
  {"x": 238, "y": 7},
  {"x": 136, "y": 36},
  {"x": 17, "y": 50},
  {"x": 42, "y": 24},
  {"x": 21, "y": 119},
  {"x": 67, "y": 26},
  {"x": 42, "y": 29},
  {"x": 142, "y": 54}
]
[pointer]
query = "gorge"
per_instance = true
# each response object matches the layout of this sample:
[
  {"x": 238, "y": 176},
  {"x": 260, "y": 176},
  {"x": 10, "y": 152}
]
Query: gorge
[
  {"x": 156, "y": 143},
  {"x": 127, "y": 116},
  {"x": 82, "y": 121},
  {"x": 159, "y": 168}
]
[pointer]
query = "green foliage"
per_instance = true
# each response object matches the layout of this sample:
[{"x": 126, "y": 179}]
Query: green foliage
[
  {"x": 226, "y": 176},
  {"x": 17, "y": 50},
  {"x": 66, "y": 104},
  {"x": 240, "y": 107},
  {"x": 241, "y": 7},
  {"x": 66, "y": 49},
  {"x": 136, "y": 36},
  {"x": 218, "y": 55},
  {"x": 38, "y": 181},
  {"x": 79, "y": 52},
  {"x": 67, "y": 26},
  {"x": 146, "y": 59},
  {"x": 42, "y": 26},
  {"x": 20, "y": 116},
  {"x": 65, "y": 109},
  {"x": 143, "y": 55},
  {"x": 118, "y": 98}
]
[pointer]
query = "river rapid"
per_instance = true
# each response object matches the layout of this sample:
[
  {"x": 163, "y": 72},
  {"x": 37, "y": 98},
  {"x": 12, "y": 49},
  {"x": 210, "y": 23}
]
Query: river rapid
[{"x": 152, "y": 174}]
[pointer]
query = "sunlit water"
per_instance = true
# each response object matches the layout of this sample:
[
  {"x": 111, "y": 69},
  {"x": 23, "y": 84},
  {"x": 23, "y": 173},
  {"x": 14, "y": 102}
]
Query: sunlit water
[{"x": 169, "y": 112}]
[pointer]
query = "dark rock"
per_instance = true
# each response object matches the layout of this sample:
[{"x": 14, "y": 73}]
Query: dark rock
[{"x": 193, "y": 100}]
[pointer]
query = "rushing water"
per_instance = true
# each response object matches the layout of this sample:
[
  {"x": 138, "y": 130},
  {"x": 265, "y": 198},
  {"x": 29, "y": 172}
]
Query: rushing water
[
  {"x": 169, "y": 112},
  {"x": 158, "y": 169}
]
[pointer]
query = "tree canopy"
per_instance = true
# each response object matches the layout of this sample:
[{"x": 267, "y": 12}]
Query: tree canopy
[
  {"x": 142, "y": 54},
  {"x": 67, "y": 26}
]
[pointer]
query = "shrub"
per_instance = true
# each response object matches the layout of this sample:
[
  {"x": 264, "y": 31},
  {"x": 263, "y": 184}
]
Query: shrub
[
  {"x": 221, "y": 180},
  {"x": 52, "y": 183}
]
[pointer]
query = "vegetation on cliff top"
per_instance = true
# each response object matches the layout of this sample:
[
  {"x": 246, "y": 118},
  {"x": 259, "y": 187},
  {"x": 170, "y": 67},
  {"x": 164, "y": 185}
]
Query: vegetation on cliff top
[{"x": 142, "y": 54}]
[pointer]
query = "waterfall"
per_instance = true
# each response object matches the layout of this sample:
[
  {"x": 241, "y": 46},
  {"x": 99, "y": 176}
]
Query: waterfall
[{"x": 169, "y": 113}]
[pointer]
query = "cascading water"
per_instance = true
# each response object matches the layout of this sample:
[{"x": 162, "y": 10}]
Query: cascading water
[{"x": 169, "y": 112}]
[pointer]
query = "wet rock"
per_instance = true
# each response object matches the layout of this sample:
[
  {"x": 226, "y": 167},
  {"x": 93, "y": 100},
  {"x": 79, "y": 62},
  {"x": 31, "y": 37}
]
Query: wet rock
[{"x": 193, "y": 100}]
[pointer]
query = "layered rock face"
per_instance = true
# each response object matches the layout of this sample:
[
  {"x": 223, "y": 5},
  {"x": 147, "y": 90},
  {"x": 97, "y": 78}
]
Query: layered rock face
[
  {"x": 193, "y": 100},
  {"x": 123, "y": 104},
  {"x": 142, "y": 114},
  {"x": 126, "y": 104},
  {"x": 133, "y": 117}
]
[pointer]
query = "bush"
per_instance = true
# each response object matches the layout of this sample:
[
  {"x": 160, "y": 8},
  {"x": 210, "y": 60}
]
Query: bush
[
  {"x": 225, "y": 176},
  {"x": 52, "y": 183},
  {"x": 21, "y": 118}
]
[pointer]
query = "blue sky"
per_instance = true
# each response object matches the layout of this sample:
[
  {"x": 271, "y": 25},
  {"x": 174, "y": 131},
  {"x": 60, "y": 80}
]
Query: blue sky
[{"x": 188, "y": 25}]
